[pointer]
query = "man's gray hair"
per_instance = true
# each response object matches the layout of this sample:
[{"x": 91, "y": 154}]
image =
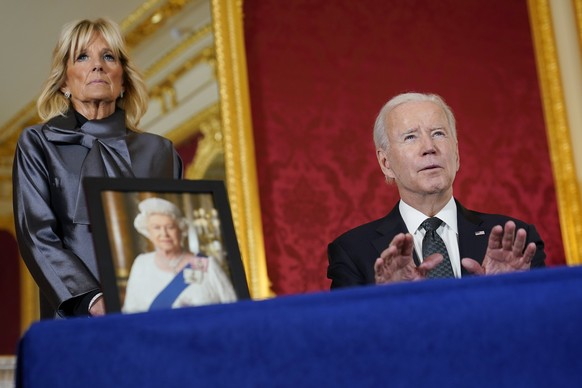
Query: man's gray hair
[{"x": 380, "y": 130}]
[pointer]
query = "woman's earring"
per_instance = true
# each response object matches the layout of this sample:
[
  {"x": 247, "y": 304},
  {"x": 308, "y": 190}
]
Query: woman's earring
[
  {"x": 67, "y": 94},
  {"x": 121, "y": 95}
]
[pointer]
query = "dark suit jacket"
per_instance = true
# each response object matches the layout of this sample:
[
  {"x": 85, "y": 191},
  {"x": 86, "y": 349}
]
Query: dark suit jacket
[{"x": 352, "y": 255}]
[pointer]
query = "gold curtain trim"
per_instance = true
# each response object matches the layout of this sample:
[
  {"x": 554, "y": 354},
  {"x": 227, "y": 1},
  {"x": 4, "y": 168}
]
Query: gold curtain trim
[
  {"x": 562, "y": 159},
  {"x": 239, "y": 155}
]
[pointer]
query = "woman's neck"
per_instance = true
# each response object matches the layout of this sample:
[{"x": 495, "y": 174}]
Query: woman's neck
[{"x": 95, "y": 110}]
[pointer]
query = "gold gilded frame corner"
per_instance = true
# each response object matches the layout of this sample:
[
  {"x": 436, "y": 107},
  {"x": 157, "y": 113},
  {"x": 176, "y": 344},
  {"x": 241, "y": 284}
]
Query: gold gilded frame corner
[
  {"x": 561, "y": 154},
  {"x": 239, "y": 152}
]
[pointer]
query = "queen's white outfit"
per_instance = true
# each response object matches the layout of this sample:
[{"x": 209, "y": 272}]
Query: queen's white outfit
[{"x": 195, "y": 287}]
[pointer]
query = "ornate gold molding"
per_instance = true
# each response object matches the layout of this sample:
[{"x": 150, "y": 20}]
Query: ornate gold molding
[
  {"x": 210, "y": 148},
  {"x": 241, "y": 176},
  {"x": 133, "y": 21},
  {"x": 163, "y": 62},
  {"x": 166, "y": 87},
  {"x": 151, "y": 21},
  {"x": 568, "y": 195},
  {"x": 196, "y": 124},
  {"x": 578, "y": 15}
]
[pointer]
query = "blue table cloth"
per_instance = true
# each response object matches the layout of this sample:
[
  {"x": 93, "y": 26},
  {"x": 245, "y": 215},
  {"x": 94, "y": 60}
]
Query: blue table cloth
[{"x": 516, "y": 330}]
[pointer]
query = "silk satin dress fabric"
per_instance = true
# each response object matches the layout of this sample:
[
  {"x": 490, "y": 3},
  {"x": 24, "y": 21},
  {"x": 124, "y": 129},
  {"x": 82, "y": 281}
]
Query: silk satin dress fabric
[{"x": 52, "y": 225}]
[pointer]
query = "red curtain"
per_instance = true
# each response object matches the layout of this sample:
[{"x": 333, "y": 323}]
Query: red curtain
[
  {"x": 9, "y": 293},
  {"x": 320, "y": 70}
]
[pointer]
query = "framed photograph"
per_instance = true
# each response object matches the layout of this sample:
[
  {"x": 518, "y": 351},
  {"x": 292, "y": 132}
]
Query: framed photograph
[{"x": 164, "y": 243}]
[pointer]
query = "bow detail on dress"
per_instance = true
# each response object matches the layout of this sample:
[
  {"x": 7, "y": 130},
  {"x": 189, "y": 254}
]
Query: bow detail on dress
[{"x": 108, "y": 154}]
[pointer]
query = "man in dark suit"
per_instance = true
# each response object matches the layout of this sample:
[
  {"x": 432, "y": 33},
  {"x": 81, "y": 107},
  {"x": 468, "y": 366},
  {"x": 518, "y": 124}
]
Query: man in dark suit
[{"x": 417, "y": 149}]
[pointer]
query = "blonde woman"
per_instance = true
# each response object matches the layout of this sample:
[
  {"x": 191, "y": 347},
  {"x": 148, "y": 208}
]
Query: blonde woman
[{"x": 91, "y": 105}]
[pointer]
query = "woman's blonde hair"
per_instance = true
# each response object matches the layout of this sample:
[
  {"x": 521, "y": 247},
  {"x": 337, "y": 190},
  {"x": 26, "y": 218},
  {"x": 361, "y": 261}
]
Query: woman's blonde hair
[{"x": 74, "y": 38}]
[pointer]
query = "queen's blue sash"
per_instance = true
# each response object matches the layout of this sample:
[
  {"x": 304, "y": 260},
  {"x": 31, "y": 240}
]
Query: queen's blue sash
[{"x": 168, "y": 295}]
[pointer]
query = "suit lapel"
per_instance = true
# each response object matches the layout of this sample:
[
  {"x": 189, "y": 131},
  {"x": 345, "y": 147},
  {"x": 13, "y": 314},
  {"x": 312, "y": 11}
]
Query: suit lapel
[
  {"x": 390, "y": 227},
  {"x": 472, "y": 235}
]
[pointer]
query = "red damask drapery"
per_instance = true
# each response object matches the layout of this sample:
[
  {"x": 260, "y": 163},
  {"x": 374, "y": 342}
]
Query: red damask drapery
[
  {"x": 320, "y": 70},
  {"x": 9, "y": 293}
]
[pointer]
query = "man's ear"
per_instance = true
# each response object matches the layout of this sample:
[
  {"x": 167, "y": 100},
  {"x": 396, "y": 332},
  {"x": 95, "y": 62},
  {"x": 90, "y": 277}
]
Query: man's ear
[{"x": 384, "y": 162}]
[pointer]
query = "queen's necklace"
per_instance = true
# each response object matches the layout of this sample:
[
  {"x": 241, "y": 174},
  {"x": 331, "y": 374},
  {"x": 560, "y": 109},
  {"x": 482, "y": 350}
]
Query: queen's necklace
[{"x": 173, "y": 263}]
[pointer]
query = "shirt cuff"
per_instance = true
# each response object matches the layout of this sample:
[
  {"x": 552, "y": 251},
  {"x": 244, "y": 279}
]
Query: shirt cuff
[{"x": 93, "y": 300}]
